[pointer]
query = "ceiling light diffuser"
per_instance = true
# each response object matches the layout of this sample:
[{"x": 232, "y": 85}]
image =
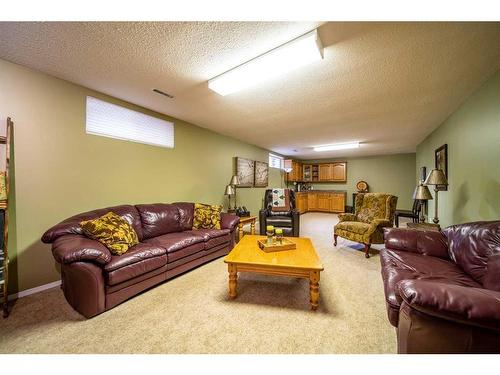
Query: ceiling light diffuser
[
  {"x": 283, "y": 59},
  {"x": 338, "y": 146}
]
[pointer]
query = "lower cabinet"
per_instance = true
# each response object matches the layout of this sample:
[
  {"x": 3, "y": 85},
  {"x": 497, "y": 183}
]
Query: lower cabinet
[
  {"x": 301, "y": 202},
  {"x": 321, "y": 202}
]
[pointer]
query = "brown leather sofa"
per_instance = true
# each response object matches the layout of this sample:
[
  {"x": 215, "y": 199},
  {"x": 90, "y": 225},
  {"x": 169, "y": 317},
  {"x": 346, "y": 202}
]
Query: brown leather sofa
[
  {"x": 442, "y": 289},
  {"x": 94, "y": 280}
]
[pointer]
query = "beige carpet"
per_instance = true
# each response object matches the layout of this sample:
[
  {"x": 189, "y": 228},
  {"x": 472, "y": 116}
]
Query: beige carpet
[{"x": 192, "y": 313}]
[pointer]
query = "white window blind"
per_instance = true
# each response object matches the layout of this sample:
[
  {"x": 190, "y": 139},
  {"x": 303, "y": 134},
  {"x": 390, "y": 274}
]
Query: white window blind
[
  {"x": 114, "y": 121},
  {"x": 275, "y": 161}
]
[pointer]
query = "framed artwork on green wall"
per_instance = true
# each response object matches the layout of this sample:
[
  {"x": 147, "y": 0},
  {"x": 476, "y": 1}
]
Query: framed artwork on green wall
[
  {"x": 441, "y": 162},
  {"x": 245, "y": 171},
  {"x": 261, "y": 174}
]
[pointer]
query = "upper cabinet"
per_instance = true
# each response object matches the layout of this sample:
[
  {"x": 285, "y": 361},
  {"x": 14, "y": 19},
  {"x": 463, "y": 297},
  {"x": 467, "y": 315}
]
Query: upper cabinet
[
  {"x": 296, "y": 173},
  {"x": 325, "y": 172},
  {"x": 339, "y": 172}
]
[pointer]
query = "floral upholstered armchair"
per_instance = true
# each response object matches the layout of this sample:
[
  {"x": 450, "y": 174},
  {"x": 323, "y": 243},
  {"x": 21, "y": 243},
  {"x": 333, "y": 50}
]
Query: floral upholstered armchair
[{"x": 373, "y": 212}]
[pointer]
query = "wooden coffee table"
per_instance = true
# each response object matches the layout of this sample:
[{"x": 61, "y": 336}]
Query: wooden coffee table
[{"x": 301, "y": 262}]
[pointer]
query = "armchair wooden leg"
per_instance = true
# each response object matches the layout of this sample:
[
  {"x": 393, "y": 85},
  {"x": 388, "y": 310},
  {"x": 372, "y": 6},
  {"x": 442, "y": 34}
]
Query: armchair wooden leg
[
  {"x": 334, "y": 240},
  {"x": 367, "y": 250}
]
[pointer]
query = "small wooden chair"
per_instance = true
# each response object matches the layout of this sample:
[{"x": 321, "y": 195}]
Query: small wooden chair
[{"x": 414, "y": 214}]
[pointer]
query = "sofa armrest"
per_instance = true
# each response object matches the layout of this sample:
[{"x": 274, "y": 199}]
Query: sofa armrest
[
  {"x": 347, "y": 217},
  {"x": 228, "y": 221},
  {"x": 77, "y": 248},
  {"x": 425, "y": 242},
  {"x": 466, "y": 305}
]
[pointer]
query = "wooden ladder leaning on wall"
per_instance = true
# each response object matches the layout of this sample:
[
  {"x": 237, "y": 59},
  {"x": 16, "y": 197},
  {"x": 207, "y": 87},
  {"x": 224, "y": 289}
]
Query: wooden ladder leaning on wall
[{"x": 4, "y": 206}]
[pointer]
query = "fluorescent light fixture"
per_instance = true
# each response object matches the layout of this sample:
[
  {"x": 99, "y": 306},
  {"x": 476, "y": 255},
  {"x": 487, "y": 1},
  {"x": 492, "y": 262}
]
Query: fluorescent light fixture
[
  {"x": 283, "y": 59},
  {"x": 338, "y": 146}
]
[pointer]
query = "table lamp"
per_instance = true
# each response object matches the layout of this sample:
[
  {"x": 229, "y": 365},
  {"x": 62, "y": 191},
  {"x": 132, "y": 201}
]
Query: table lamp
[
  {"x": 422, "y": 194},
  {"x": 235, "y": 181},
  {"x": 229, "y": 192},
  {"x": 436, "y": 177}
]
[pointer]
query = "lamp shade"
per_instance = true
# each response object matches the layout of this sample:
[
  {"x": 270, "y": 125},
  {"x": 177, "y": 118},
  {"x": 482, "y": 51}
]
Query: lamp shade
[
  {"x": 229, "y": 190},
  {"x": 436, "y": 177},
  {"x": 287, "y": 165},
  {"x": 235, "y": 180},
  {"x": 422, "y": 193}
]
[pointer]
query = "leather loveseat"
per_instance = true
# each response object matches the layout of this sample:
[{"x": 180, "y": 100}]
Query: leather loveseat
[
  {"x": 442, "y": 289},
  {"x": 94, "y": 280}
]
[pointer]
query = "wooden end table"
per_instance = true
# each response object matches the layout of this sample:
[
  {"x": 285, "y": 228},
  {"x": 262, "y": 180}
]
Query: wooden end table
[
  {"x": 245, "y": 220},
  {"x": 302, "y": 262}
]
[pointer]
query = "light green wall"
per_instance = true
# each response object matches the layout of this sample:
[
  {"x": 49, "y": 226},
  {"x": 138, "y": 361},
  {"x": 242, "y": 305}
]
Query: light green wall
[
  {"x": 472, "y": 133},
  {"x": 61, "y": 171},
  {"x": 393, "y": 174}
]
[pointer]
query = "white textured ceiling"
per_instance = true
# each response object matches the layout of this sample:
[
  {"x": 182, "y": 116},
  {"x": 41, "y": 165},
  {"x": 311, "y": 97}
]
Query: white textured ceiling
[{"x": 387, "y": 85}]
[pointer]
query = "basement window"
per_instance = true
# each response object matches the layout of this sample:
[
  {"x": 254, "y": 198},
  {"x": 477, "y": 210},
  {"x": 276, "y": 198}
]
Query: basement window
[
  {"x": 114, "y": 121},
  {"x": 275, "y": 161}
]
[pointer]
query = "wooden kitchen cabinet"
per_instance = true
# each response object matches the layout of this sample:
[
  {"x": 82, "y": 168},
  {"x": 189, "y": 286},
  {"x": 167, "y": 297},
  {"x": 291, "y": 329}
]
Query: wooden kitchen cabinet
[
  {"x": 312, "y": 201},
  {"x": 301, "y": 202},
  {"x": 325, "y": 172},
  {"x": 324, "y": 202},
  {"x": 339, "y": 172},
  {"x": 320, "y": 202},
  {"x": 337, "y": 202},
  {"x": 321, "y": 172},
  {"x": 296, "y": 172}
]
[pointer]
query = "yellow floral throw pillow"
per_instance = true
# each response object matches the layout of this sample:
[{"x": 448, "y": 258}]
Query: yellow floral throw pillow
[
  {"x": 206, "y": 216},
  {"x": 111, "y": 230}
]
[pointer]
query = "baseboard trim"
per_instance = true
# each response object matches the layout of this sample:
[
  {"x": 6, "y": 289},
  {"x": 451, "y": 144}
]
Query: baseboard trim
[{"x": 34, "y": 290}]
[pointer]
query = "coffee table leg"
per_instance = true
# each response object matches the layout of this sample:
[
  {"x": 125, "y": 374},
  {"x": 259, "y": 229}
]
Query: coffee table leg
[
  {"x": 314, "y": 289},
  {"x": 233, "y": 280}
]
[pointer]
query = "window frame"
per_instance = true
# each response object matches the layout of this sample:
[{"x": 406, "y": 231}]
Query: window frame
[
  {"x": 281, "y": 159},
  {"x": 143, "y": 121}
]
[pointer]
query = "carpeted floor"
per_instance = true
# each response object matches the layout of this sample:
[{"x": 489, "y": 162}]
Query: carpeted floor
[{"x": 192, "y": 313}]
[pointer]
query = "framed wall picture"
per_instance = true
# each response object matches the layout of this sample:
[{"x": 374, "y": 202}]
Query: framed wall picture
[
  {"x": 423, "y": 174},
  {"x": 261, "y": 174},
  {"x": 245, "y": 171},
  {"x": 441, "y": 162}
]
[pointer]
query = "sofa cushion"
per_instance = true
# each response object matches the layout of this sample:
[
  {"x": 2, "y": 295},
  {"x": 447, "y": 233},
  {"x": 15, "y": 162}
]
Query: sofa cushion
[
  {"x": 173, "y": 242},
  {"x": 279, "y": 221},
  {"x": 136, "y": 254},
  {"x": 402, "y": 265},
  {"x": 213, "y": 237},
  {"x": 191, "y": 250},
  {"x": 475, "y": 247},
  {"x": 111, "y": 230},
  {"x": 186, "y": 213},
  {"x": 353, "y": 226},
  {"x": 158, "y": 219},
  {"x": 138, "y": 260},
  {"x": 209, "y": 234}
]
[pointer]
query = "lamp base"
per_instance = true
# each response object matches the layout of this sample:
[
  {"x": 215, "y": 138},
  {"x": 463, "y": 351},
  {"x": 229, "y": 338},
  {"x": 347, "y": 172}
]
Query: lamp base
[{"x": 231, "y": 211}]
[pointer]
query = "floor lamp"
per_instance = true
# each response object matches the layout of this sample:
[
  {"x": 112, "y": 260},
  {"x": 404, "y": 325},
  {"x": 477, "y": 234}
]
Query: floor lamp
[{"x": 436, "y": 177}]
